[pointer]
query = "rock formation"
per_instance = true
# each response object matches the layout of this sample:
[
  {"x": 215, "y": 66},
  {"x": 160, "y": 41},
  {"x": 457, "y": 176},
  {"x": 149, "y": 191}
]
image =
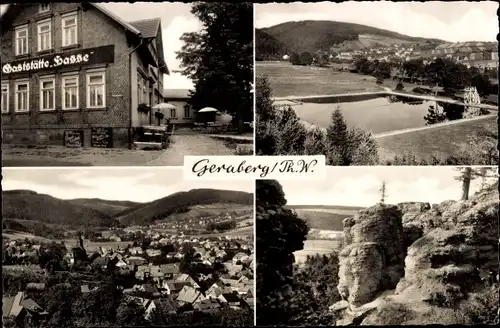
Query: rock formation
[
  {"x": 444, "y": 250},
  {"x": 373, "y": 259}
]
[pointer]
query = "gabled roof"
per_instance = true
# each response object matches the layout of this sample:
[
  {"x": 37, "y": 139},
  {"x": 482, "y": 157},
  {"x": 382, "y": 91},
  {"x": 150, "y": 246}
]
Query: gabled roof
[
  {"x": 147, "y": 27},
  {"x": 188, "y": 295},
  {"x": 176, "y": 93}
]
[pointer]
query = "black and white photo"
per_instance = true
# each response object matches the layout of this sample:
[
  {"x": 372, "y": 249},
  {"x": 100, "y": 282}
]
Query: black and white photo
[
  {"x": 125, "y": 84},
  {"x": 379, "y": 246},
  {"x": 110, "y": 247},
  {"x": 378, "y": 83}
]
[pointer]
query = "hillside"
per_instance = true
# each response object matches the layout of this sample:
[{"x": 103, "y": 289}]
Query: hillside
[
  {"x": 108, "y": 207},
  {"x": 323, "y": 220},
  {"x": 312, "y": 36},
  {"x": 268, "y": 47},
  {"x": 180, "y": 202},
  {"x": 48, "y": 210}
]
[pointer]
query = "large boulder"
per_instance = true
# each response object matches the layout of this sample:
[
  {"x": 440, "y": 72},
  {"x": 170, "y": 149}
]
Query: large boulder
[
  {"x": 373, "y": 260},
  {"x": 360, "y": 272}
]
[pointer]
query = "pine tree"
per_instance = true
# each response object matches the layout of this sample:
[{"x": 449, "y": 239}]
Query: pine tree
[
  {"x": 383, "y": 194},
  {"x": 337, "y": 138},
  {"x": 468, "y": 174}
]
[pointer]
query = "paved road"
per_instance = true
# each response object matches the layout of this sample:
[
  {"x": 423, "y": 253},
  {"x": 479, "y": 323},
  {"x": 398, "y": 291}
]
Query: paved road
[{"x": 190, "y": 145}]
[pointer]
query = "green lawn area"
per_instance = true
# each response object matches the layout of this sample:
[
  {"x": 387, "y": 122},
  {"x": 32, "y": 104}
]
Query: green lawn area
[
  {"x": 440, "y": 142},
  {"x": 323, "y": 220},
  {"x": 290, "y": 80}
]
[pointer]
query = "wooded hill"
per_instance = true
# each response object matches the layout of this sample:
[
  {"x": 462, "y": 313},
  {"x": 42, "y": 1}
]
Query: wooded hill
[
  {"x": 311, "y": 36},
  {"x": 24, "y": 210}
]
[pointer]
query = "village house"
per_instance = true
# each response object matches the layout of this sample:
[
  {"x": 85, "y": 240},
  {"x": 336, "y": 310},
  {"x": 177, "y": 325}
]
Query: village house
[
  {"x": 207, "y": 305},
  {"x": 187, "y": 278},
  {"x": 189, "y": 295},
  {"x": 170, "y": 270},
  {"x": 173, "y": 287},
  {"x": 74, "y": 74},
  {"x": 24, "y": 311},
  {"x": 232, "y": 299},
  {"x": 218, "y": 288}
]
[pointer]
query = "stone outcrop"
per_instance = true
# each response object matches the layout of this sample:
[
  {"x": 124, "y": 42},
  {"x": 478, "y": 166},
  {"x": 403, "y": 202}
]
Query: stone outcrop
[
  {"x": 373, "y": 259},
  {"x": 444, "y": 249}
]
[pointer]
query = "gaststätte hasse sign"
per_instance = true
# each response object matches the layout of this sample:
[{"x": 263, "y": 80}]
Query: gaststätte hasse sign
[{"x": 99, "y": 55}]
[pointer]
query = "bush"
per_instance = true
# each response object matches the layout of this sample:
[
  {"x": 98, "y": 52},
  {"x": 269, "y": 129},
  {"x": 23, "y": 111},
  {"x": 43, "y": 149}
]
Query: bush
[{"x": 400, "y": 86}]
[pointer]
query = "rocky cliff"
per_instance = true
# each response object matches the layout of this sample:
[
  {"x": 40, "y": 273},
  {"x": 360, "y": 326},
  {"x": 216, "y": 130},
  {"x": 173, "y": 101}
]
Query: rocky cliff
[{"x": 414, "y": 263}]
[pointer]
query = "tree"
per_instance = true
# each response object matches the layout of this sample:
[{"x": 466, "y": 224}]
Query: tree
[
  {"x": 337, "y": 138},
  {"x": 219, "y": 59},
  {"x": 280, "y": 232},
  {"x": 467, "y": 174},
  {"x": 306, "y": 58},
  {"x": 295, "y": 59},
  {"x": 130, "y": 314},
  {"x": 383, "y": 194}
]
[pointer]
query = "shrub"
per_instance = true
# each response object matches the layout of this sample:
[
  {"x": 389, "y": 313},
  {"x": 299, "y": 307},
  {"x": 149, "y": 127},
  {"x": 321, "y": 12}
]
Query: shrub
[{"x": 400, "y": 86}]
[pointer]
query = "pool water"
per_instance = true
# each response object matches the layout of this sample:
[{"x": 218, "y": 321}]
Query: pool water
[{"x": 377, "y": 115}]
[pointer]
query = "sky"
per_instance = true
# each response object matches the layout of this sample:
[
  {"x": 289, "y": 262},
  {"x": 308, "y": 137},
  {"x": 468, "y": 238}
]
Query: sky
[
  {"x": 176, "y": 19},
  {"x": 360, "y": 186},
  {"x": 133, "y": 184},
  {"x": 454, "y": 21}
]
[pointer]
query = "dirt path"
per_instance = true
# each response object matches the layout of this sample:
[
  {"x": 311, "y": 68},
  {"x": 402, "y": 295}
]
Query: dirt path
[{"x": 190, "y": 145}]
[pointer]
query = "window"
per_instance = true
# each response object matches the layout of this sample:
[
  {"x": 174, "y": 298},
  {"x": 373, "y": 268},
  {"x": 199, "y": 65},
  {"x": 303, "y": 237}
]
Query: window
[
  {"x": 21, "y": 42},
  {"x": 70, "y": 92},
  {"x": 22, "y": 99},
  {"x": 69, "y": 30},
  {"x": 139, "y": 89},
  {"x": 5, "y": 98},
  {"x": 96, "y": 89},
  {"x": 145, "y": 98},
  {"x": 187, "y": 112},
  {"x": 44, "y": 35},
  {"x": 173, "y": 113},
  {"x": 47, "y": 94},
  {"x": 44, "y": 7}
]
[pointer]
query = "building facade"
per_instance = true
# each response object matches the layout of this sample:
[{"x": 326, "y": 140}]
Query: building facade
[
  {"x": 74, "y": 74},
  {"x": 181, "y": 114}
]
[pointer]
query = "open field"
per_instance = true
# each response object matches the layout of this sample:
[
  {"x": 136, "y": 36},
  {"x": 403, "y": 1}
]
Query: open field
[
  {"x": 441, "y": 142},
  {"x": 323, "y": 220},
  {"x": 289, "y": 80},
  {"x": 317, "y": 247}
]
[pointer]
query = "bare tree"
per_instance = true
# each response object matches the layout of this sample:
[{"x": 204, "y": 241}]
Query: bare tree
[
  {"x": 383, "y": 194},
  {"x": 467, "y": 174}
]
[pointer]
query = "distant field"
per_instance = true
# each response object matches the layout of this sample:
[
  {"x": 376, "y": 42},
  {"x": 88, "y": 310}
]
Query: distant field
[
  {"x": 290, "y": 80},
  {"x": 317, "y": 247},
  {"x": 318, "y": 219},
  {"x": 441, "y": 142}
]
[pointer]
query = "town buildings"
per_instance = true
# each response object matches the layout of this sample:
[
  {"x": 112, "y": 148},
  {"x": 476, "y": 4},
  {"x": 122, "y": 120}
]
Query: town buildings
[{"x": 74, "y": 74}]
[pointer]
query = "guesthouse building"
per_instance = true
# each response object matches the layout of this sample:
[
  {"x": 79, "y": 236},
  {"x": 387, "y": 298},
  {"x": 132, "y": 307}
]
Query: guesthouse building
[{"x": 75, "y": 74}]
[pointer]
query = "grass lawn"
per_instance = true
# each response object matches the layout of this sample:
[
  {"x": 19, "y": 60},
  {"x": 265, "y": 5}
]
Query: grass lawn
[
  {"x": 290, "y": 80},
  {"x": 323, "y": 220},
  {"x": 441, "y": 142}
]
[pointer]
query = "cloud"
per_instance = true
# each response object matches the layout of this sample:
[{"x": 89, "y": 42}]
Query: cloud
[
  {"x": 478, "y": 22},
  {"x": 138, "y": 184},
  {"x": 171, "y": 43},
  {"x": 177, "y": 81},
  {"x": 360, "y": 186}
]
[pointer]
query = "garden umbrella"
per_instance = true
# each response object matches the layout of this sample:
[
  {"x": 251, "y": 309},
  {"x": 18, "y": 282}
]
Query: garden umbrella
[
  {"x": 164, "y": 106},
  {"x": 207, "y": 110}
]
